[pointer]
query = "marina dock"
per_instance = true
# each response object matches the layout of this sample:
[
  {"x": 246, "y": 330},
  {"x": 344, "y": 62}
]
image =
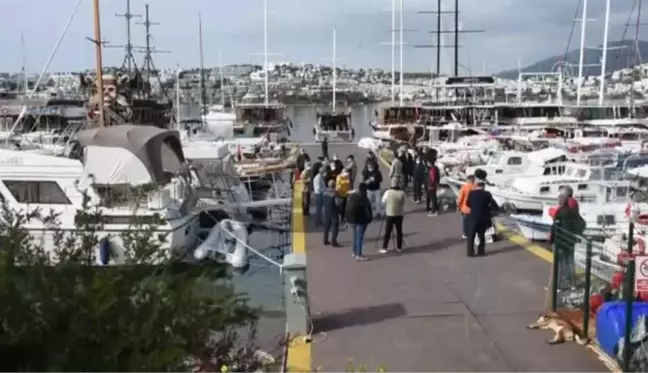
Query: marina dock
[{"x": 430, "y": 307}]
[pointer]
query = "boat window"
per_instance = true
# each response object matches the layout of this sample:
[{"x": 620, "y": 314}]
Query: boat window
[
  {"x": 514, "y": 161},
  {"x": 580, "y": 173},
  {"x": 622, "y": 191},
  {"x": 582, "y": 187},
  {"x": 42, "y": 192},
  {"x": 544, "y": 189},
  {"x": 605, "y": 220},
  {"x": 595, "y": 174},
  {"x": 569, "y": 172},
  {"x": 494, "y": 159}
]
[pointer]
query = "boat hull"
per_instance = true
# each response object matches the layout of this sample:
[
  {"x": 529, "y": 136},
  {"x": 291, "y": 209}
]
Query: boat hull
[{"x": 333, "y": 136}]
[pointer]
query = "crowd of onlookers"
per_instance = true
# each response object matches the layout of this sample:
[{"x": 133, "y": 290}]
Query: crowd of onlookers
[{"x": 345, "y": 194}]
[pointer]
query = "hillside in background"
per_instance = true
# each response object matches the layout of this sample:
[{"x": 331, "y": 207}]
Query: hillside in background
[{"x": 617, "y": 59}]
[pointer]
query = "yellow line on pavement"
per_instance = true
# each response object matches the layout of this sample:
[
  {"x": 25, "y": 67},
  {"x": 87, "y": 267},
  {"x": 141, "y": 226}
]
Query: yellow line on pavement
[{"x": 299, "y": 353}]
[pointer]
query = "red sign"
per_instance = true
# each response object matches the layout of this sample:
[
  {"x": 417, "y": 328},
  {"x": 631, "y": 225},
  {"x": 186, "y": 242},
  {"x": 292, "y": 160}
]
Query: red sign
[{"x": 641, "y": 273}]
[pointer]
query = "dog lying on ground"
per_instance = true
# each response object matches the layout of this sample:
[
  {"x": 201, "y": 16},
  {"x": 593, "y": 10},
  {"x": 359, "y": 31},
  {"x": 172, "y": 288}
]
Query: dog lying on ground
[{"x": 563, "y": 331}]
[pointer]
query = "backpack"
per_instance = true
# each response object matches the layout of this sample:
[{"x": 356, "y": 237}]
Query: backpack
[{"x": 580, "y": 225}]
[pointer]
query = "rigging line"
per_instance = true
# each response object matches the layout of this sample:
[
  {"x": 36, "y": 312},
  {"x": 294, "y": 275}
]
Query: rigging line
[
  {"x": 571, "y": 31},
  {"x": 625, "y": 33}
]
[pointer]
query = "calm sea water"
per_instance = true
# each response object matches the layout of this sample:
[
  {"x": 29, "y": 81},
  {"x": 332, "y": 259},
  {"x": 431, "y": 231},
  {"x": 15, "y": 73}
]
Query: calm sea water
[{"x": 262, "y": 282}]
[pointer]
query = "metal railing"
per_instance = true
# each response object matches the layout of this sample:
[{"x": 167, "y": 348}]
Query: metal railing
[{"x": 587, "y": 274}]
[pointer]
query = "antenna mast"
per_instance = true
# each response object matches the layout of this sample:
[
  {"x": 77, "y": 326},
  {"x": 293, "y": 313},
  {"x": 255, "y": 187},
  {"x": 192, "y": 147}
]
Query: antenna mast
[
  {"x": 439, "y": 32},
  {"x": 129, "y": 59},
  {"x": 149, "y": 51},
  {"x": 23, "y": 69},
  {"x": 582, "y": 52}
]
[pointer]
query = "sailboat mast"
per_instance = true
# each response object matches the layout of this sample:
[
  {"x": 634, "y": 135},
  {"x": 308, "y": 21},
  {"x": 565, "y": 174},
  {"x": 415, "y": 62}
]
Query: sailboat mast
[
  {"x": 99, "y": 62},
  {"x": 203, "y": 93},
  {"x": 393, "y": 52},
  {"x": 582, "y": 53},
  {"x": 177, "y": 89},
  {"x": 334, "y": 67},
  {"x": 265, "y": 49},
  {"x": 604, "y": 56},
  {"x": 400, "y": 93}
]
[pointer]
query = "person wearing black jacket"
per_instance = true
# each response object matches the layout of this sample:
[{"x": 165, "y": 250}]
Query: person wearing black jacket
[
  {"x": 481, "y": 204},
  {"x": 358, "y": 214},
  {"x": 406, "y": 167},
  {"x": 371, "y": 158},
  {"x": 325, "y": 148},
  {"x": 338, "y": 165},
  {"x": 419, "y": 179},
  {"x": 372, "y": 178},
  {"x": 301, "y": 160}
]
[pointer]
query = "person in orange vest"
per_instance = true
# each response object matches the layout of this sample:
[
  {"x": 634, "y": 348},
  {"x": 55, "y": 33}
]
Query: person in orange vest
[{"x": 462, "y": 198}]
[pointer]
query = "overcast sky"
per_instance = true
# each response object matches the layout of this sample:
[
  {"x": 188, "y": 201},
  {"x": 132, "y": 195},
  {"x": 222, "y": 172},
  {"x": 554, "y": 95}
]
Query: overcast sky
[{"x": 302, "y": 31}]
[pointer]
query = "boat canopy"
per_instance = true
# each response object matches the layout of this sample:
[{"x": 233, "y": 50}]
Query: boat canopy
[
  {"x": 543, "y": 156},
  {"x": 130, "y": 154}
]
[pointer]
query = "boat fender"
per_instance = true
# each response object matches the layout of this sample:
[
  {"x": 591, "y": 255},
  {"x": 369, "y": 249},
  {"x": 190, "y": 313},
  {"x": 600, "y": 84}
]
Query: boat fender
[
  {"x": 352, "y": 133},
  {"x": 105, "y": 251},
  {"x": 314, "y": 131}
]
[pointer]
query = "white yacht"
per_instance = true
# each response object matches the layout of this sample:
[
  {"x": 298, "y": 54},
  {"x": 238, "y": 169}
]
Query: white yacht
[
  {"x": 532, "y": 193},
  {"x": 116, "y": 161},
  {"x": 602, "y": 207}
]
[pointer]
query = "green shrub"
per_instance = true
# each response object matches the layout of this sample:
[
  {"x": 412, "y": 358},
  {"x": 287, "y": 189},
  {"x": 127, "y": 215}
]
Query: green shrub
[{"x": 61, "y": 312}]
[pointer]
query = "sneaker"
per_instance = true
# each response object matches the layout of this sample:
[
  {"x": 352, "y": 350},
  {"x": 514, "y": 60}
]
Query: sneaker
[
  {"x": 463, "y": 236},
  {"x": 354, "y": 256},
  {"x": 360, "y": 258},
  {"x": 430, "y": 213},
  {"x": 383, "y": 251}
]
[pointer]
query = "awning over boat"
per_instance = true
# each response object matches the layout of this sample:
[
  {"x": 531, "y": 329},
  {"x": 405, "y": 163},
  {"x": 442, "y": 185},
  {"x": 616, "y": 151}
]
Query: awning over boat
[{"x": 131, "y": 154}]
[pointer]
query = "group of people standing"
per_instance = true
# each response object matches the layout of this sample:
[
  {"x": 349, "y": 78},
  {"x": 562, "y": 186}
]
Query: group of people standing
[{"x": 344, "y": 195}]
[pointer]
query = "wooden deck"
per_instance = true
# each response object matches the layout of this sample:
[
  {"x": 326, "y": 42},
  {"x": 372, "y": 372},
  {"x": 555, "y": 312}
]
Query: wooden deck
[{"x": 430, "y": 308}]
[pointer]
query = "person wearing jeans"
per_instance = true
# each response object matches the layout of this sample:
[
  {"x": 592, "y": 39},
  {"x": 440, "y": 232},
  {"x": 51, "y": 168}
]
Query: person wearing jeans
[
  {"x": 462, "y": 199},
  {"x": 372, "y": 178},
  {"x": 319, "y": 186},
  {"x": 358, "y": 213},
  {"x": 331, "y": 215},
  {"x": 394, "y": 201}
]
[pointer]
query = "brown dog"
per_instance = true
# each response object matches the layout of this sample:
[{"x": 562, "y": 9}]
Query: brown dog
[{"x": 563, "y": 331}]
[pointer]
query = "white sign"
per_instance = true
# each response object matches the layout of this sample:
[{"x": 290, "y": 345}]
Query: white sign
[{"x": 641, "y": 273}]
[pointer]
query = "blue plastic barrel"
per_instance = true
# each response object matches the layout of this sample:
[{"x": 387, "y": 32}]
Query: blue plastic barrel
[
  {"x": 610, "y": 323},
  {"x": 104, "y": 250}
]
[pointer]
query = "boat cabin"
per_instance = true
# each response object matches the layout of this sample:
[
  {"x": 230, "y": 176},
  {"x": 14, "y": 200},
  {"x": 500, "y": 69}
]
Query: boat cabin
[
  {"x": 398, "y": 115},
  {"x": 261, "y": 114},
  {"x": 532, "y": 113},
  {"x": 334, "y": 121}
]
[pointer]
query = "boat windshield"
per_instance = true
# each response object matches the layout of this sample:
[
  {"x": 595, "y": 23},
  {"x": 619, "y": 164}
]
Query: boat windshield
[
  {"x": 397, "y": 115},
  {"x": 334, "y": 122}
]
